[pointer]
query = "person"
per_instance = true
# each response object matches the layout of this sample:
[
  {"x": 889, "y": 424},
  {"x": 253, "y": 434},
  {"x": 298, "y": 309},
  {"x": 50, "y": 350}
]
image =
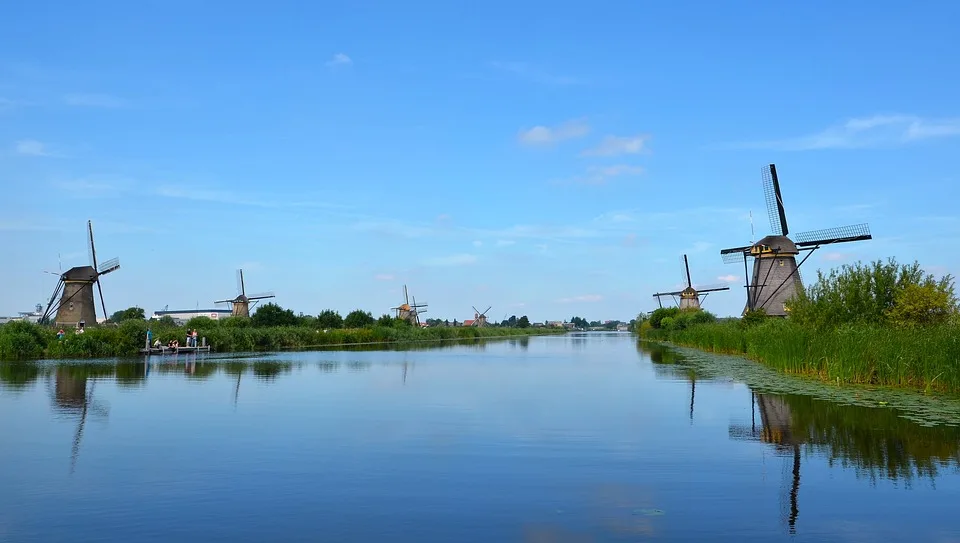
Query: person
[
  {"x": 194, "y": 337},
  {"x": 149, "y": 336},
  {"x": 157, "y": 343},
  {"x": 60, "y": 334}
]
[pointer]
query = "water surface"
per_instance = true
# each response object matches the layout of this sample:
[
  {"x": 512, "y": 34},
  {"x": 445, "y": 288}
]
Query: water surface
[{"x": 586, "y": 437}]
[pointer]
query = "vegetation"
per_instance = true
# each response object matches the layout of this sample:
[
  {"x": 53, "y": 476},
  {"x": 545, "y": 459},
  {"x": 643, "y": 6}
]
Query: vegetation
[
  {"x": 884, "y": 323},
  {"x": 270, "y": 328}
]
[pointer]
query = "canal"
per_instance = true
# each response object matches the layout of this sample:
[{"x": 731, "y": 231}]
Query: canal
[{"x": 584, "y": 437}]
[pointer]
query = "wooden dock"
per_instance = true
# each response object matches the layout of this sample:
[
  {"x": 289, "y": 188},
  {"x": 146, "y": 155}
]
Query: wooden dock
[{"x": 175, "y": 350}]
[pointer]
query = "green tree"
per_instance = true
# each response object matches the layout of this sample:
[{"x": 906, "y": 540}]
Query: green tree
[
  {"x": 931, "y": 303},
  {"x": 358, "y": 319},
  {"x": 329, "y": 319},
  {"x": 201, "y": 323},
  {"x": 127, "y": 314},
  {"x": 385, "y": 320},
  {"x": 524, "y": 322},
  {"x": 273, "y": 315}
]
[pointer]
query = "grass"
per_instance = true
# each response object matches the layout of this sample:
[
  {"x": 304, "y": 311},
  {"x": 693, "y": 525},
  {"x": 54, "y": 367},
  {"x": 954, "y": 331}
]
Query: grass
[
  {"x": 926, "y": 358},
  {"x": 24, "y": 341}
]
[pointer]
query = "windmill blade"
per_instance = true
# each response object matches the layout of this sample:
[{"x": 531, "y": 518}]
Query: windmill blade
[
  {"x": 675, "y": 293},
  {"x": 686, "y": 268},
  {"x": 230, "y": 301},
  {"x": 840, "y": 234},
  {"x": 92, "y": 247},
  {"x": 712, "y": 289},
  {"x": 240, "y": 286},
  {"x": 110, "y": 265},
  {"x": 102, "y": 305},
  {"x": 406, "y": 298},
  {"x": 771, "y": 193},
  {"x": 261, "y": 296},
  {"x": 712, "y": 286},
  {"x": 734, "y": 255},
  {"x": 475, "y": 310},
  {"x": 485, "y": 311}
]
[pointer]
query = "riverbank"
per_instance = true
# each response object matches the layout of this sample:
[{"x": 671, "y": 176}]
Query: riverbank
[
  {"x": 24, "y": 341},
  {"x": 925, "y": 358}
]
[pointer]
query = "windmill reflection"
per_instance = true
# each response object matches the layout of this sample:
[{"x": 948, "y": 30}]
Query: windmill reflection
[
  {"x": 776, "y": 421},
  {"x": 72, "y": 396}
]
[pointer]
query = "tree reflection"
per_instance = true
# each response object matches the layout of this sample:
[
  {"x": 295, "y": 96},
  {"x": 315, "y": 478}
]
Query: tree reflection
[{"x": 18, "y": 375}]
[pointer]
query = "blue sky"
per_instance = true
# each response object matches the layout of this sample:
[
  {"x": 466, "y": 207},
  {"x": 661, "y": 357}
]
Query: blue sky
[{"x": 548, "y": 159}]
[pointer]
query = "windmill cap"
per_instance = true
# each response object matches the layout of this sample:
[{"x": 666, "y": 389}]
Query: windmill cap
[{"x": 775, "y": 244}]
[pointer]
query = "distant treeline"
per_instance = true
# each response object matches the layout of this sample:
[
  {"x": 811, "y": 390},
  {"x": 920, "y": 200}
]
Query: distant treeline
[
  {"x": 271, "y": 328},
  {"x": 881, "y": 323}
]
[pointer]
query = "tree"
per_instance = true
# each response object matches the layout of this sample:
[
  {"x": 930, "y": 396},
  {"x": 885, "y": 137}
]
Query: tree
[
  {"x": 385, "y": 320},
  {"x": 524, "y": 322},
  {"x": 329, "y": 319},
  {"x": 358, "y": 319},
  {"x": 127, "y": 314},
  {"x": 929, "y": 304},
  {"x": 273, "y": 315},
  {"x": 579, "y": 322},
  {"x": 201, "y": 323}
]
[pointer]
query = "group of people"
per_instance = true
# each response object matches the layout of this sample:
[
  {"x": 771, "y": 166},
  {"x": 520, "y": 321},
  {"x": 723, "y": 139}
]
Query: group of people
[{"x": 191, "y": 340}]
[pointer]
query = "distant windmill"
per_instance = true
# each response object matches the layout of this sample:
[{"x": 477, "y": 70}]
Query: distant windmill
[
  {"x": 75, "y": 290},
  {"x": 776, "y": 276},
  {"x": 690, "y": 296},
  {"x": 410, "y": 312},
  {"x": 241, "y": 304},
  {"x": 480, "y": 317}
]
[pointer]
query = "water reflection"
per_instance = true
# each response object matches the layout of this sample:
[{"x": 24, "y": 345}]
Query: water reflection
[
  {"x": 873, "y": 442},
  {"x": 73, "y": 397}
]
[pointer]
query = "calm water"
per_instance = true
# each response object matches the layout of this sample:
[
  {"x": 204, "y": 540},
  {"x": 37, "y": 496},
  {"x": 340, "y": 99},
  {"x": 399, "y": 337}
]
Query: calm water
[{"x": 577, "y": 438}]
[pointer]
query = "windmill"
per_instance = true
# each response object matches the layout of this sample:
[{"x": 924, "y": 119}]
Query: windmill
[
  {"x": 73, "y": 396},
  {"x": 776, "y": 277},
  {"x": 690, "y": 296},
  {"x": 410, "y": 312},
  {"x": 241, "y": 304},
  {"x": 76, "y": 305},
  {"x": 480, "y": 317}
]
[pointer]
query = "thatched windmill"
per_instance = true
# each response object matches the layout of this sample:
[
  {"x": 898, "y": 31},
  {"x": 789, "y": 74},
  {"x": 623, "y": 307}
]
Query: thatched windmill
[
  {"x": 776, "y": 276},
  {"x": 691, "y": 296},
  {"x": 479, "y": 317},
  {"x": 241, "y": 304},
  {"x": 410, "y": 312},
  {"x": 76, "y": 305}
]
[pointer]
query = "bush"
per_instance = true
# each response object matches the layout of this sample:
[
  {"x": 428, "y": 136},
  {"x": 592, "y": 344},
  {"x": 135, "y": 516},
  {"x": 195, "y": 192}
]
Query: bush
[
  {"x": 329, "y": 319},
  {"x": 656, "y": 318},
  {"x": 358, "y": 319}
]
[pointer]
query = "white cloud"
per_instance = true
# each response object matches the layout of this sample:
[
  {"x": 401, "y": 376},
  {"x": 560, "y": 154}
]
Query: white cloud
[
  {"x": 582, "y": 298},
  {"x": 505, "y": 242},
  {"x": 31, "y": 148},
  {"x": 452, "y": 260},
  {"x": 94, "y": 100},
  {"x": 727, "y": 278},
  {"x": 866, "y": 132},
  {"x": 384, "y": 277},
  {"x": 544, "y": 135},
  {"x": 619, "y": 145},
  {"x": 339, "y": 59},
  {"x": 477, "y": 243},
  {"x": 835, "y": 256}
]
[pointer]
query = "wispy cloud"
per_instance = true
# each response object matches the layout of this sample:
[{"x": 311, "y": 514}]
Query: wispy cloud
[
  {"x": 339, "y": 59},
  {"x": 582, "y": 298},
  {"x": 836, "y": 256},
  {"x": 395, "y": 228},
  {"x": 94, "y": 100},
  {"x": 232, "y": 197},
  {"x": 727, "y": 278},
  {"x": 865, "y": 132},
  {"x": 533, "y": 73},
  {"x": 452, "y": 260},
  {"x": 384, "y": 277},
  {"x": 31, "y": 148},
  {"x": 505, "y": 242},
  {"x": 7, "y": 104},
  {"x": 619, "y": 145},
  {"x": 91, "y": 187},
  {"x": 545, "y": 135}
]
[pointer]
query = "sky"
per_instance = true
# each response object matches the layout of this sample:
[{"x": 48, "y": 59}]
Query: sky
[{"x": 546, "y": 159}]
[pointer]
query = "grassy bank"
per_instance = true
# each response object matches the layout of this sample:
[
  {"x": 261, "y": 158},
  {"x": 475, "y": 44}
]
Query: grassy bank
[
  {"x": 24, "y": 341},
  {"x": 926, "y": 358}
]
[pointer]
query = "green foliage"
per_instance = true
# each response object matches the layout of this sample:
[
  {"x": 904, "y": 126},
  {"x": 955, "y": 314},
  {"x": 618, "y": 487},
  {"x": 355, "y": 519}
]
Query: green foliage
[
  {"x": 128, "y": 314},
  {"x": 753, "y": 317},
  {"x": 273, "y": 315},
  {"x": 579, "y": 322},
  {"x": 200, "y": 323},
  {"x": 869, "y": 293},
  {"x": 358, "y": 319},
  {"x": 22, "y": 340},
  {"x": 329, "y": 319},
  {"x": 656, "y": 318},
  {"x": 385, "y": 320},
  {"x": 234, "y": 322},
  {"x": 167, "y": 321},
  {"x": 523, "y": 322}
]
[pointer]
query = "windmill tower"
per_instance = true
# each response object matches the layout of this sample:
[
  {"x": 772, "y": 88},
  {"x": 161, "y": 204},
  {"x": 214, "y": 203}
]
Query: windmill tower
[
  {"x": 776, "y": 276},
  {"x": 480, "y": 318},
  {"x": 690, "y": 296},
  {"x": 410, "y": 312},
  {"x": 76, "y": 305},
  {"x": 241, "y": 304}
]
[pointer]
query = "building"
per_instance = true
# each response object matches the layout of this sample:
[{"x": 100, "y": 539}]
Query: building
[{"x": 181, "y": 316}]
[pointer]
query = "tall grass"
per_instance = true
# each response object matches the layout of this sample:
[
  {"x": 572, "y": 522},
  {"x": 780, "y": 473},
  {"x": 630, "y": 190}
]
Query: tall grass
[
  {"x": 24, "y": 341},
  {"x": 927, "y": 358}
]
